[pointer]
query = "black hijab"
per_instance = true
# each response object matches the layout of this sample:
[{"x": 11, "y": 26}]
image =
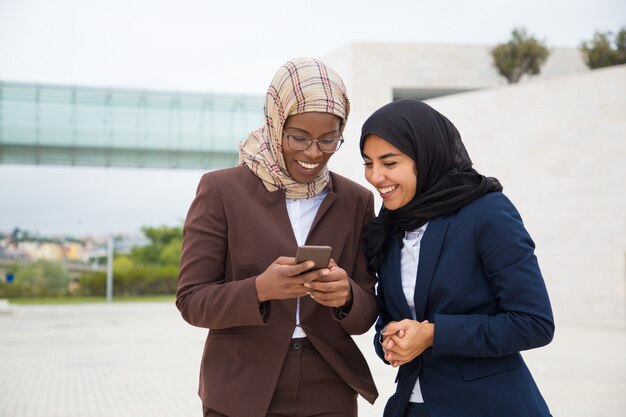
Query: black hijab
[{"x": 446, "y": 180}]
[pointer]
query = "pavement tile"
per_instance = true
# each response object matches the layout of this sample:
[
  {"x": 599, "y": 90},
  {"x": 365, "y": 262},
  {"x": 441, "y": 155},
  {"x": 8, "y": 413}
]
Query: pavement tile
[{"x": 142, "y": 360}]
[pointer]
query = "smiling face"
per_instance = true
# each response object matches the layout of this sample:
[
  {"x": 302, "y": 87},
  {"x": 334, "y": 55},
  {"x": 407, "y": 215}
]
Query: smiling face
[
  {"x": 391, "y": 171},
  {"x": 304, "y": 166}
]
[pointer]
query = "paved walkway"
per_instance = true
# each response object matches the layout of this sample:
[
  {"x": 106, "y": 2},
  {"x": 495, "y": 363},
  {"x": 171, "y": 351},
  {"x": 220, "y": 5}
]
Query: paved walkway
[{"x": 142, "y": 360}]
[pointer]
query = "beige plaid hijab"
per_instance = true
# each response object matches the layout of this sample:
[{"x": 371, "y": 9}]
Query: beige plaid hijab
[{"x": 301, "y": 85}]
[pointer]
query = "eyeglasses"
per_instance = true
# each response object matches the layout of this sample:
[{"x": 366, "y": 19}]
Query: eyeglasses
[{"x": 301, "y": 143}]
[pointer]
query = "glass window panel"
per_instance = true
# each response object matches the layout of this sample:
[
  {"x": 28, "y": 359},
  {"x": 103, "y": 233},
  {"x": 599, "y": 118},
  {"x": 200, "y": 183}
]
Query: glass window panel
[{"x": 92, "y": 126}]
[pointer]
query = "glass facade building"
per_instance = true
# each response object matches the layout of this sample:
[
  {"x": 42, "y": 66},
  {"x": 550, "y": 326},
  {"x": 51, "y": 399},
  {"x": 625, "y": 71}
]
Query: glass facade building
[{"x": 84, "y": 126}]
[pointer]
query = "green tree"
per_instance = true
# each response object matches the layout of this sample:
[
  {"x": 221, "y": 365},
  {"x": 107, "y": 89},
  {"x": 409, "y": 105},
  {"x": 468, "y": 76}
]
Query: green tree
[
  {"x": 149, "y": 269},
  {"x": 164, "y": 247},
  {"x": 605, "y": 50},
  {"x": 522, "y": 55}
]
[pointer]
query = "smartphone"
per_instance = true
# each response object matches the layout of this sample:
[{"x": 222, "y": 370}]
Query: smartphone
[{"x": 318, "y": 254}]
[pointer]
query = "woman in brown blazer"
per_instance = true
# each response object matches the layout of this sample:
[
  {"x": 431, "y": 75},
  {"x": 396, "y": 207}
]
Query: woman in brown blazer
[{"x": 280, "y": 333}]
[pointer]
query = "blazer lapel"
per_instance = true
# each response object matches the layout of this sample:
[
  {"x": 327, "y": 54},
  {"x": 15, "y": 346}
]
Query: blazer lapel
[
  {"x": 276, "y": 200},
  {"x": 328, "y": 201},
  {"x": 430, "y": 248},
  {"x": 393, "y": 278}
]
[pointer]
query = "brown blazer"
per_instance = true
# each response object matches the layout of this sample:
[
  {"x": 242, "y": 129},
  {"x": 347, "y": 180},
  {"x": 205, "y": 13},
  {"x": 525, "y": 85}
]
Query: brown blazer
[{"x": 234, "y": 230}]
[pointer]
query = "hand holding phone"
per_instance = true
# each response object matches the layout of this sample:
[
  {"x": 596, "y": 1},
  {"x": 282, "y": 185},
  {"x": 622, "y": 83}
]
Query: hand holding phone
[
  {"x": 333, "y": 288},
  {"x": 320, "y": 255}
]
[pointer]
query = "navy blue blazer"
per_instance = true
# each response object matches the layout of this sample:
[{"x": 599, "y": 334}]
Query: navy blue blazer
[{"x": 479, "y": 282}]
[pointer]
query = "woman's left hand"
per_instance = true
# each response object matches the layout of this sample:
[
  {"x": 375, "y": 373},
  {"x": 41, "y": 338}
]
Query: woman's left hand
[
  {"x": 332, "y": 290},
  {"x": 405, "y": 340}
]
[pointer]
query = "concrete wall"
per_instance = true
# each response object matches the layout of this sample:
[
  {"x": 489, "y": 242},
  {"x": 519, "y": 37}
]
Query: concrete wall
[
  {"x": 372, "y": 70},
  {"x": 559, "y": 148},
  {"x": 557, "y": 144}
]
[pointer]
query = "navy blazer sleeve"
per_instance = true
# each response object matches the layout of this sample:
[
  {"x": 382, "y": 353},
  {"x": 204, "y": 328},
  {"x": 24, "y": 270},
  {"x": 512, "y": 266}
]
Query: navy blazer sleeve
[
  {"x": 382, "y": 321},
  {"x": 524, "y": 318}
]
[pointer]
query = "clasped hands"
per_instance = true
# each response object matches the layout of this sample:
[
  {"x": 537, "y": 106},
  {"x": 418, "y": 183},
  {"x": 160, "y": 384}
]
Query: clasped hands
[
  {"x": 402, "y": 341},
  {"x": 285, "y": 279}
]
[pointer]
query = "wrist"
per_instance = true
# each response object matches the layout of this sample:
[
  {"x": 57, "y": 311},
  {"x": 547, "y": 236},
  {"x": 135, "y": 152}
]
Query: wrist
[
  {"x": 260, "y": 291},
  {"x": 348, "y": 304},
  {"x": 431, "y": 334}
]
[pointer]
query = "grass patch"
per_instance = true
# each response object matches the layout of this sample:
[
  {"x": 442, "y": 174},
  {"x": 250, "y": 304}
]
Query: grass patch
[{"x": 91, "y": 300}]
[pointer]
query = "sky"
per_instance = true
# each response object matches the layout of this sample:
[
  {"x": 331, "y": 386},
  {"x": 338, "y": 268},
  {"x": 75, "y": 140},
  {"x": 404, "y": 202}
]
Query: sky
[{"x": 216, "y": 46}]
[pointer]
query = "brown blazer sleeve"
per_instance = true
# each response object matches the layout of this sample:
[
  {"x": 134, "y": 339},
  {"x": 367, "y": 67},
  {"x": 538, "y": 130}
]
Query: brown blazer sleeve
[{"x": 204, "y": 298}]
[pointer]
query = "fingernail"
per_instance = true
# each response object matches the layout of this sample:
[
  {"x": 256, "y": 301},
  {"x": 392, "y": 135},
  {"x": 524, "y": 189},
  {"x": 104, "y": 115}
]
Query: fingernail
[
  {"x": 307, "y": 285},
  {"x": 384, "y": 330}
]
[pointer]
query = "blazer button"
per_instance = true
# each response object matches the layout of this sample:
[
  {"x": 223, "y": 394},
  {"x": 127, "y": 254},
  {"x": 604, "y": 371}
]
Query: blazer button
[{"x": 297, "y": 345}]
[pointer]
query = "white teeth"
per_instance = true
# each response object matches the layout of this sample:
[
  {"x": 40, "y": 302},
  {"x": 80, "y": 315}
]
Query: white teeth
[
  {"x": 387, "y": 189},
  {"x": 308, "y": 166}
]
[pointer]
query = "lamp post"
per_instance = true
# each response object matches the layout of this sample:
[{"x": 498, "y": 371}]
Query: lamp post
[{"x": 110, "y": 269}]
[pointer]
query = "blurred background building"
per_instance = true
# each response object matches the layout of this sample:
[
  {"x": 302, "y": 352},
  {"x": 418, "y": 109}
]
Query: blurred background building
[{"x": 43, "y": 124}]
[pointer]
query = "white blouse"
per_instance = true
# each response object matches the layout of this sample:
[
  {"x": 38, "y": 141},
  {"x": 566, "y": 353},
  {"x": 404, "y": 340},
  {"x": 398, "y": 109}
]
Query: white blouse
[
  {"x": 302, "y": 212},
  {"x": 408, "y": 269}
]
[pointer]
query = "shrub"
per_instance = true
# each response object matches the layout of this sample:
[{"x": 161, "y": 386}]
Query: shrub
[
  {"x": 137, "y": 280},
  {"x": 605, "y": 50},
  {"x": 36, "y": 279}
]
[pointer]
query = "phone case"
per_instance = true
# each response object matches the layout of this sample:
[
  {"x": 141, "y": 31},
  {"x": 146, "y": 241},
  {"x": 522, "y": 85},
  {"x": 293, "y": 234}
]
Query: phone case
[{"x": 318, "y": 254}]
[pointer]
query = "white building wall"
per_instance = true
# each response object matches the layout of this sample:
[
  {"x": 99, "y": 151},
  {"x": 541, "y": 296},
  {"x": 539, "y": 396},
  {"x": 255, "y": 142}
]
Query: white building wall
[
  {"x": 557, "y": 144},
  {"x": 559, "y": 148},
  {"x": 372, "y": 70}
]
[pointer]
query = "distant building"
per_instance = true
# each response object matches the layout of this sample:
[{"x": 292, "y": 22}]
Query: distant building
[
  {"x": 21, "y": 244},
  {"x": 75, "y": 252},
  {"x": 50, "y": 251}
]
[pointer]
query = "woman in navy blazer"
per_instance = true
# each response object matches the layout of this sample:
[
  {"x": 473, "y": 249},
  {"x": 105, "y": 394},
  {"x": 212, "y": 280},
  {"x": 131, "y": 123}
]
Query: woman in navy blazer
[{"x": 460, "y": 290}]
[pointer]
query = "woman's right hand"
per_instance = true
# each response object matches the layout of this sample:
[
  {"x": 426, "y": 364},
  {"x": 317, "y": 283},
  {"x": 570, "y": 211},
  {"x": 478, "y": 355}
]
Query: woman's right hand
[{"x": 284, "y": 279}]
